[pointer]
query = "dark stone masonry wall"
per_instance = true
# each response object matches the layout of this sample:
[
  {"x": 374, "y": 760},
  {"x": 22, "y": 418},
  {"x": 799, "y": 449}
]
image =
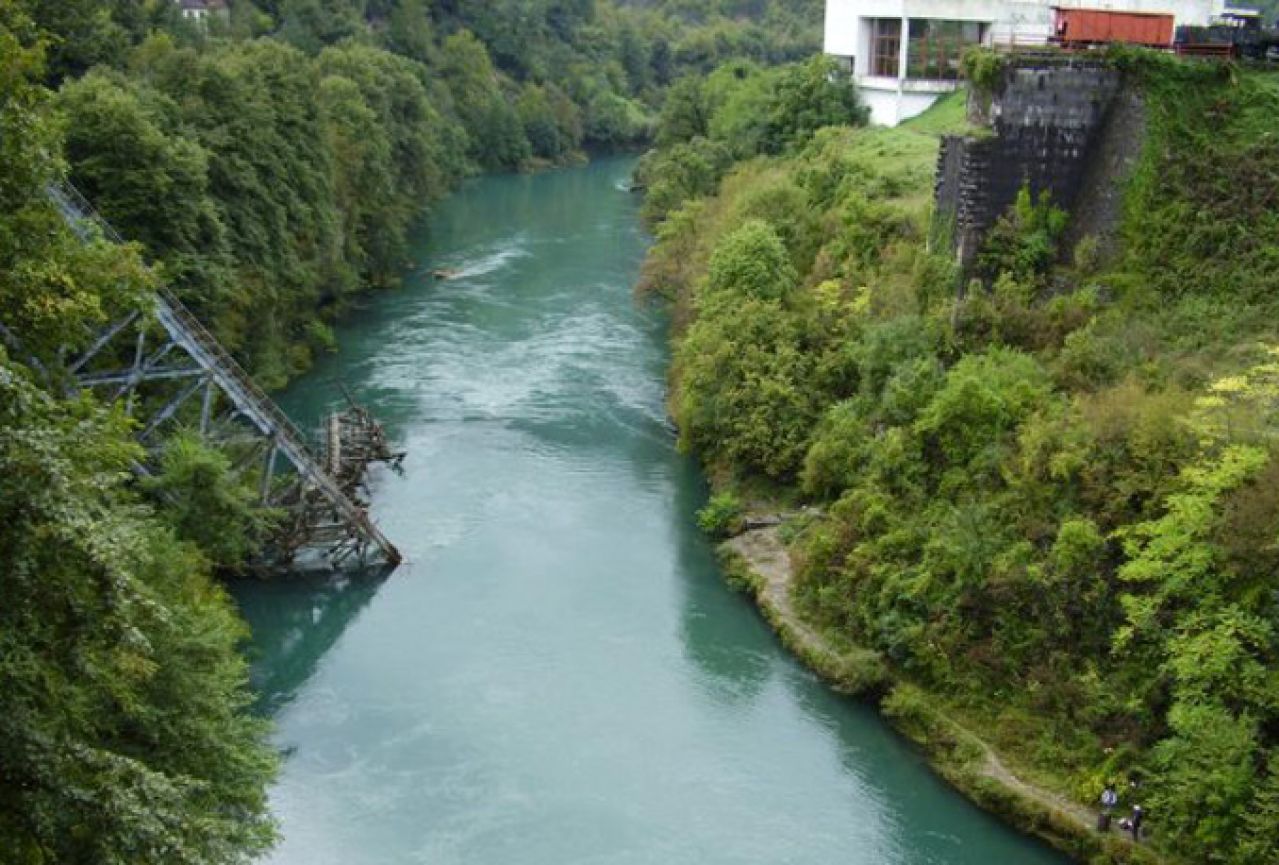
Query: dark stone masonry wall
[{"x": 1044, "y": 120}]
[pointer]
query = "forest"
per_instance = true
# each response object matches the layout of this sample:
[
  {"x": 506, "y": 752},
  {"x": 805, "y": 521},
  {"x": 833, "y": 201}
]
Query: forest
[
  {"x": 1043, "y": 494},
  {"x": 267, "y": 165},
  {"x": 271, "y": 161}
]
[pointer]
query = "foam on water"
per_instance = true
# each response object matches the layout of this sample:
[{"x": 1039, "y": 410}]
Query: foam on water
[{"x": 486, "y": 261}]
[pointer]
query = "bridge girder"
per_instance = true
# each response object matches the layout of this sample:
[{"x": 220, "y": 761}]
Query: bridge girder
[{"x": 156, "y": 388}]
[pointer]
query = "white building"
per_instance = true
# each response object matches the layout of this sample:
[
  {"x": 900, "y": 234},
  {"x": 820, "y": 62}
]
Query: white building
[
  {"x": 905, "y": 53},
  {"x": 200, "y": 10}
]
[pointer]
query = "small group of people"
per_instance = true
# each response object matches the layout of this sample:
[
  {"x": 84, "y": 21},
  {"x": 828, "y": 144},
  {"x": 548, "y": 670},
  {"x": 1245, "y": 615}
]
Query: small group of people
[{"x": 1109, "y": 801}]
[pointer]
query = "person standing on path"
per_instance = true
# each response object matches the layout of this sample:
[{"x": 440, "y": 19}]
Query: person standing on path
[
  {"x": 1138, "y": 815},
  {"x": 1109, "y": 799}
]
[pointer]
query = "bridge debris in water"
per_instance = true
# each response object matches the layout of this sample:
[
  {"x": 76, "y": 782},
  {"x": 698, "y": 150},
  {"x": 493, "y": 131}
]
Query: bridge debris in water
[{"x": 354, "y": 441}]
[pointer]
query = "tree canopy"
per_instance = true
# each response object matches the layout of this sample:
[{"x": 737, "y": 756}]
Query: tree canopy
[{"x": 125, "y": 734}]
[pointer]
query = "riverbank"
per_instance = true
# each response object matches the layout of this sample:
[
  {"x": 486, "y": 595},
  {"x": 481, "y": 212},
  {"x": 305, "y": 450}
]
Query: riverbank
[{"x": 758, "y": 560}]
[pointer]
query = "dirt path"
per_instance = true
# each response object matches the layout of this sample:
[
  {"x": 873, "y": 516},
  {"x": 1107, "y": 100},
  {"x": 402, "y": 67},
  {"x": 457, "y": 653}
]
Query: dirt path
[
  {"x": 994, "y": 768},
  {"x": 764, "y": 553}
]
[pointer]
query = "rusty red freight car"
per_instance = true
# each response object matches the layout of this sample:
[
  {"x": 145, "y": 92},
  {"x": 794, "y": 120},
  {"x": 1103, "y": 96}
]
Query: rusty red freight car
[{"x": 1075, "y": 28}]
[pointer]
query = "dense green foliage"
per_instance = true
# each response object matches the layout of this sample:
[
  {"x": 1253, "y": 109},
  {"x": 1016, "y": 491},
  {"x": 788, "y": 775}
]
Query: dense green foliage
[
  {"x": 722, "y": 516},
  {"x": 206, "y": 504},
  {"x": 1051, "y": 494},
  {"x": 270, "y": 185},
  {"x": 273, "y": 160},
  {"x": 125, "y": 735},
  {"x": 738, "y": 111}
]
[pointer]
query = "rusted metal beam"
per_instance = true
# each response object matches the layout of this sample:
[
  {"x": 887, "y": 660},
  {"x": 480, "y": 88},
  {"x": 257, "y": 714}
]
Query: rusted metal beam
[
  {"x": 161, "y": 374},
  {"x": 206, "y": 408},
  {"x": 268, "y": 472}
]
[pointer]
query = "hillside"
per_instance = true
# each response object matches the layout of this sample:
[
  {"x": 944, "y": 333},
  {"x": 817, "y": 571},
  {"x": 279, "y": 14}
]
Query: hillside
[{"x": 1046, "y": 488}]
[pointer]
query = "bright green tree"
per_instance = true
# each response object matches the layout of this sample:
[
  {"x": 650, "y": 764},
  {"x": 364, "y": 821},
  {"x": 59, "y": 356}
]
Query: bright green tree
[{"x": 809, "y": 96}]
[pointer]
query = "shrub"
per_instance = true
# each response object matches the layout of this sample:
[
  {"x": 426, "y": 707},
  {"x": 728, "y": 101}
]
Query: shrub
[
  {"x": 751, "y": 262},
  {"x": 1023, "y": 243},
  {"x": 985, "y": 397},
  {"x": 741, "y": 389},
  {"x": 207, "y": 504},
  {"x": 722, "y": 515},
  {"x": 983, "y": 67}
]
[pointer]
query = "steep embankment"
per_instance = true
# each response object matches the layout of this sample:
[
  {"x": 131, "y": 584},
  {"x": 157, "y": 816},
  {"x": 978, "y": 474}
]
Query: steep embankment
[
  {"x": 1048, "y": 482},
  {"x": 125, "y": 734}
]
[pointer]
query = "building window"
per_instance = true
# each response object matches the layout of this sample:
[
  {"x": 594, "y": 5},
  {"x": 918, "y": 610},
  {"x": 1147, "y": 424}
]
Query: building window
[
  {"x": 885, "y": 47},
  {"x": 934, "y": 47}
]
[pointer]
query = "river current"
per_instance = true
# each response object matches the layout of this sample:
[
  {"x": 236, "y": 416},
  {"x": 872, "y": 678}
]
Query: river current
[{"x": 558, "y": 675}]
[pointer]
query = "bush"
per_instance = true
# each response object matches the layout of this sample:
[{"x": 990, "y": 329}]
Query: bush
[
  {"x": 984, "y": 398},
  {"x": 751, "y": 262},
  {"x": 722, "y": 517},
  {"x": 1023, "y": 243},
  {"x": 807, "y": 97},
  {"x": 678, "y": 173},
  {"x": 914, "y": 713},
  {"x": 741, "y": 387},
  {"x": 983, "y": 67},
  {"x": 207, "y": 504}
]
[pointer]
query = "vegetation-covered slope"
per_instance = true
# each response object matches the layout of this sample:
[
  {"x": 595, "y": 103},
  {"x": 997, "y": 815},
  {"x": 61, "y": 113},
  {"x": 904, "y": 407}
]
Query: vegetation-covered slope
[
  {"x": 124, "y": 730},
  {"x": 274, "y": 160},
  {"x": 1050, "y": 500}
]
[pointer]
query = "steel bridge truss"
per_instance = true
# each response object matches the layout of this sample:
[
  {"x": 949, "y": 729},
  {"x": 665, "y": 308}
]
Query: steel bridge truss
[{"x": 165, "y": 368}]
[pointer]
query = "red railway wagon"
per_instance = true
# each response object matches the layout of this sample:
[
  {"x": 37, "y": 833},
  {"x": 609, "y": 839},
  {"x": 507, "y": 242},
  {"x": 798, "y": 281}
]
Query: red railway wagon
[{"x": 1080, "y": 27}]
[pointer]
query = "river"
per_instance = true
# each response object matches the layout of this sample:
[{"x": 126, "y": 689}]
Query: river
[{"x": 558, "y": 675}]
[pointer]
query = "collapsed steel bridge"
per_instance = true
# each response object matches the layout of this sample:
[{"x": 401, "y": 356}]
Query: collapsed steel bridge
[{"x": 159, "y": 359}]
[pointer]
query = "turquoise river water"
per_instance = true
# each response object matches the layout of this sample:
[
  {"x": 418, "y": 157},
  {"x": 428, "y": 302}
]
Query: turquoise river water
[{"x": 558, "y": 675}]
